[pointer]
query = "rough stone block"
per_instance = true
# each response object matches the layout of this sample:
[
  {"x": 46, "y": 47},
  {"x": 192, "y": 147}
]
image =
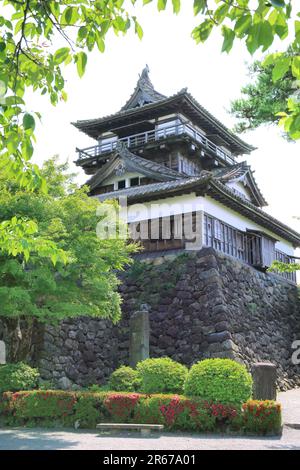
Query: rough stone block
[
  {"x": 264, "y": 381},
  {"x": 219, "y": 337}
]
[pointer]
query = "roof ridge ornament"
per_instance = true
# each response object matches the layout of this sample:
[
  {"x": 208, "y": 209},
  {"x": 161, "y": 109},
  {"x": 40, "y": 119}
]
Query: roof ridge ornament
[
  {"x": 144, "y": 92},
  {"x": 145, "y": 74}
]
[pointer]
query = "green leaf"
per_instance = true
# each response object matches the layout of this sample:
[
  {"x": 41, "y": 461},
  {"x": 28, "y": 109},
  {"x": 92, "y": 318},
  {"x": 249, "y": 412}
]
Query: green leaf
[
  {"x": 242, "y": 25},
  {"x": 161, "y": 5},
  {"x": 251, "y": 41},
  {"x": 229, "y": 36},
  {"x": 82, "y": 33},
  {"x": 221, "y": 12},
  {"x": 199, "y": 6},
  {"x": 70, "y": 15},
  {"x": 281, "y": 67},
  {"x": 296, "y": 67},
  {"x": 265, "y": 34},
  {"x": 294, "y": 127},
  {"x": 81, "y": 63},
  {"x": 27, "y": 150},
  {"x": 202, "y": 32},
  {"x": 61, "y": 55},
  {"x": 297, "y": 31},
  {"x": 28, "y": 121},
  {"x": 176, "y": 6},
  {"x": 138, "y": 29},
  {"x": 100, "y": 42},
  {"x": 260, "y": 34}
]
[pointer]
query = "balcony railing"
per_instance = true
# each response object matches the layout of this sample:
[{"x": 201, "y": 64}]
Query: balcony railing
[{"x": 156, "y": 135}]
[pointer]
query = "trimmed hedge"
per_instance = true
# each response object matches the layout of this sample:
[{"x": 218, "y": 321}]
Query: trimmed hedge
[
  {"x": 161, "y": 375},
  {"x": 18, "y": 376},
  {"x": 124, "y": 379},
  {"x": 220, "y": 380},
  {"x": 57, "y": 408}
]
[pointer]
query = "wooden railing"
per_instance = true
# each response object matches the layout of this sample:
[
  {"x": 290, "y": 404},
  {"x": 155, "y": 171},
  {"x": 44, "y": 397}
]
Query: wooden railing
[{"x": 143, "y": 138}]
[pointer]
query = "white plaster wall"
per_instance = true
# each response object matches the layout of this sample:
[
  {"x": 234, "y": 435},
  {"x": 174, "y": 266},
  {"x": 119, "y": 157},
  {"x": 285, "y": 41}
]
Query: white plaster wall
[
  {"x": 240, "y": 222},
  {"x": 189, "y": 203},
  {"x": 164, "y": 207}
]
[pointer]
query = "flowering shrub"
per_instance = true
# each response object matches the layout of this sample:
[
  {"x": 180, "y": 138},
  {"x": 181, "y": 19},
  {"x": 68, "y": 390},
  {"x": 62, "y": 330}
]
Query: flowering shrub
[
  {"x": 261, "y": 417},
  {"x": 124, "y": 379},
  {"x": 19, "y": 376},
  {"x": 175, "y": 412},
  {"x": 27, "y": 406},
  {"x": 121, "y": 406},
  {"x": 185, "y": 414},
  {"x": 161, "y": 375},
  {"x": 220, "y": 381}
]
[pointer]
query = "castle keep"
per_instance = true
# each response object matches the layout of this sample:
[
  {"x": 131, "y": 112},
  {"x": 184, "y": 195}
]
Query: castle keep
[{"x": 196, "y": 208}]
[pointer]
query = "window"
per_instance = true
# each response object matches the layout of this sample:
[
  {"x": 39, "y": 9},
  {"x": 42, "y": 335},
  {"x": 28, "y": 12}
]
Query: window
[
  {"x": 224, "y": 238},
  {"x": 121, "y": 184},
  {"x": 135, "y": 181}
]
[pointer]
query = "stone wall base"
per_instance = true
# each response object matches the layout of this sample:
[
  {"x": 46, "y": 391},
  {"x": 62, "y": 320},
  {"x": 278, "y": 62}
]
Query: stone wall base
[{"x": 203, "y": 304}]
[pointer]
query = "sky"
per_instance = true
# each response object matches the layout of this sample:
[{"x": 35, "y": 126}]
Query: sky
[{"x": 175, "y": 62}]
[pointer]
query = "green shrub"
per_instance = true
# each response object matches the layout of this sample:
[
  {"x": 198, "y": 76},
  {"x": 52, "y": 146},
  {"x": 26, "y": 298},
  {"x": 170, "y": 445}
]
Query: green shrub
[
  {"x": 219, "y": 380},
  {"x": 89, "y": 410},
  {"x": 124, "y": 379},
  {"x": 19, "y": 376},
  {"x": 98, "y": 388},
  {"x": 162, "y": 375}
]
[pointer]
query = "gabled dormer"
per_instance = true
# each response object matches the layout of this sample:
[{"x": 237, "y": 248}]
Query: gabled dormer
[
  {"x": 125, "y": 169},
  {"x": 240, "y": 180}
]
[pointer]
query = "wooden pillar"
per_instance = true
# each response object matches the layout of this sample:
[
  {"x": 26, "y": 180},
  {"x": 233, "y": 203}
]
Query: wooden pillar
[{"x": 264, "y": 381}]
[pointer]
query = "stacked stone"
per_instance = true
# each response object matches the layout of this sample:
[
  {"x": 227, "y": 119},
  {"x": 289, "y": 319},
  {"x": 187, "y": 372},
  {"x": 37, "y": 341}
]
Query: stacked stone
[{"x": 215, "y": 306}]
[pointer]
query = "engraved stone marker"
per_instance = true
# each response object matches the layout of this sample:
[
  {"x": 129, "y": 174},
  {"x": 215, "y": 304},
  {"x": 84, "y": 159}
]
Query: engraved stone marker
[
  {"x": 2, "y": 353},
  {"x": 139, "y": 336},
  {"x": 264, "y": 381}
]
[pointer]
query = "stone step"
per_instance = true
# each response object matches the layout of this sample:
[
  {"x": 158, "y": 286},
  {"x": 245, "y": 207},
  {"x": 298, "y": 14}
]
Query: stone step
[{"x": 145, "y": 429}]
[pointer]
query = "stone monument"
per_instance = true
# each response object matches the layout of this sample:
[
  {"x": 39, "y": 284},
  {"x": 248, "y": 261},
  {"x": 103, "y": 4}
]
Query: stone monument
[
  {"x": 2, "y": 353},
  {"x": 139, "y": 335}
]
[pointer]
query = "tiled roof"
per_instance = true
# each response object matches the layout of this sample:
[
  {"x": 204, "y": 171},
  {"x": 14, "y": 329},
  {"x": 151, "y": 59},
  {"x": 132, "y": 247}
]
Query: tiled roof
[
  {"x": 152, "y": 189},
  {"x": 151, "y": 99},
  {"x": 133, "y": 163}
]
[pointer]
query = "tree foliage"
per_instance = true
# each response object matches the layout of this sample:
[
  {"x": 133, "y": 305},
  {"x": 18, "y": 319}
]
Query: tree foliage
[
  {"x": 29, "y": 60},
  {"x": 262, "y": 100},
  {"x": 257, "y": 23},
  {"x": 66, "y": 216}
]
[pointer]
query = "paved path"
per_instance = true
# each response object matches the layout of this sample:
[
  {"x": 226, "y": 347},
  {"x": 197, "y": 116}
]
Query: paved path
[
  {"x": 290, "y": 406},
  {"x": 12, "y": 439},
  {"x": 41, "y": 439}
]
